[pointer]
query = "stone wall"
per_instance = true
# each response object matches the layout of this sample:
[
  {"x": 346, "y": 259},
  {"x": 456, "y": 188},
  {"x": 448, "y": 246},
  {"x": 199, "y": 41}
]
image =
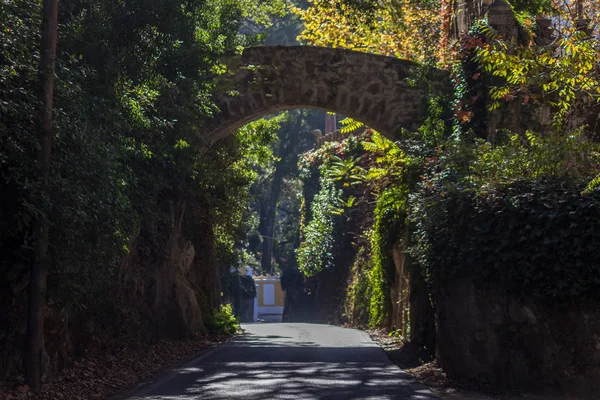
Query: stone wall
[
  {"x": 487, "y": 335},
  {"x": 373, "y": 89},
  {"x": 400, "y": 289}
]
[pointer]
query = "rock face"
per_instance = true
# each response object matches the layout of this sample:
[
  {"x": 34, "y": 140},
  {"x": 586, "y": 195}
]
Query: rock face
[
  {"x": 163, "y": 288},
  {"x": 488, "y": 335},
  {"x": 373, "y": 89},
  {"x": 163, "y": 278},
  {"x": 411, "y": 310},
  {"x": 502, "y": 17}
]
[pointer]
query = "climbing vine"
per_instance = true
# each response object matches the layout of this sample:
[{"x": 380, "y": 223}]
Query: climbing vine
[
  {"x": 316, "y": 251},
  {"x": 390, "y": 220},
  {"x": 369, "y": 172}
]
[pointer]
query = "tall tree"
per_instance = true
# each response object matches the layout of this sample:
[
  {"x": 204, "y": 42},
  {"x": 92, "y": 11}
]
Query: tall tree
[
  {"x": 294, "y": 137},
  {"x": 287, "y": 144},
  {"x": 39, "y": 271}
]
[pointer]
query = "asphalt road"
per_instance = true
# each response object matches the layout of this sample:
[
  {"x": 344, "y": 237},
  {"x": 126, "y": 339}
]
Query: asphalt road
[{"x": 289, "y": 361}]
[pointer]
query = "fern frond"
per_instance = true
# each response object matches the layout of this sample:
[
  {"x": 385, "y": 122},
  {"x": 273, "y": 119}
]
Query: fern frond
[{"x": 350, "y": 125}]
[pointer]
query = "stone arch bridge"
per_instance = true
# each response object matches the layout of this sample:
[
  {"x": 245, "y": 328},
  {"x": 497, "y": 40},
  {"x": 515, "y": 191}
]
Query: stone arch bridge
[{"x": 375, "y": 90}]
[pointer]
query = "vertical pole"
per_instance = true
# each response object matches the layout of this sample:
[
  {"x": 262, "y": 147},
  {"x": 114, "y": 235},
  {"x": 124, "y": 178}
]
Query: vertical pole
[
  {"x": 39, "y": 271},
  {"x": 255, "y": 316},
  {"x": 330, "y": 123}
]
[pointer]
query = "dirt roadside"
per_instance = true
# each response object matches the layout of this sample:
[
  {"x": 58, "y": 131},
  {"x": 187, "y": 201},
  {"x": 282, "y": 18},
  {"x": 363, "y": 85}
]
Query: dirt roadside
[
  {"x": 418, "y": 363},
  {"x": 102, "y": 375}
]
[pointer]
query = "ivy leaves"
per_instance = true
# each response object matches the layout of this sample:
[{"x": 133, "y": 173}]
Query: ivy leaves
[
  {"x": 316, "y": 251},
  {"x": 536, "y": 237}
]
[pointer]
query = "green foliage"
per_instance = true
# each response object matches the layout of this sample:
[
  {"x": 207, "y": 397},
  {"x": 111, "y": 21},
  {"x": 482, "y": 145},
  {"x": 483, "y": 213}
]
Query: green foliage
[
  {"x": 310, "y": 162},
  {"x": 511, "y": 213},
  {"x": 133, "y": 85},
  {"x": 379, "y": 304},
  {"x": 350, "y": 125},
  {"x": 532, "y": 7},
  {"x": 535, "y": 237},
  {"x": 19, "y": 37},
  {"x": 334, "y": 169},
  {"x": 405, "y": 29},
  {"x": 390, "y": 162},
  {"x": 358, "y": 299},
  {"x": 592, "y": 185},
  {"x": 345, "y": 170},
  {"x": 482, "y": 165},
  {"x": 134, "y": 81},
  {"x": 223, "y": 321},
  {"x": 368, "y": 169},
  {"x": 513, "y": 196},
  {"x": 263, "y": 12},
  {"x": 535, "y": 74},
  {"x": 273, "y": 198},
  {"x": 227, "y": 174},
  {"x": 533, "y": 156},
  {"x": 316, "y": 251},
  {"x": 390, "y": 220}
]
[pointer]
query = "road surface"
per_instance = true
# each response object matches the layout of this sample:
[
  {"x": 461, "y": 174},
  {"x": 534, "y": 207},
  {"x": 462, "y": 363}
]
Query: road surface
[{"x": 289, "y": 361}]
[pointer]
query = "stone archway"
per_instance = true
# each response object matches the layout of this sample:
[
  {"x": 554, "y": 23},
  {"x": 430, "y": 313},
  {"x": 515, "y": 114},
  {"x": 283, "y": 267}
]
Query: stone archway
[{"x": 370, "y": 88}]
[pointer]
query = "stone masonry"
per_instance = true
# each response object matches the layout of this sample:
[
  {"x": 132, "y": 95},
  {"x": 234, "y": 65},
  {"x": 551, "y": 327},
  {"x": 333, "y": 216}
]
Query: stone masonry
[{"x": 373, "y": 89}]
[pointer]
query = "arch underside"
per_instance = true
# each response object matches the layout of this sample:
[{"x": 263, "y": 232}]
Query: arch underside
[{"x": 372, "y": 89}]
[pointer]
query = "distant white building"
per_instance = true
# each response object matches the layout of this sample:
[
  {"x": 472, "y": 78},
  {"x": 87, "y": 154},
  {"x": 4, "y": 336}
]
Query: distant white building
[{"x": 269, "y": 299}]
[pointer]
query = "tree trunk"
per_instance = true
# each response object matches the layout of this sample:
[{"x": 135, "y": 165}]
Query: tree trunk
[
  {"x": 267, "y": 215},
  {"x": 268, "y": 227},
  {"x": 465, "y": 13},
  {"x": 39, "y": 271}
]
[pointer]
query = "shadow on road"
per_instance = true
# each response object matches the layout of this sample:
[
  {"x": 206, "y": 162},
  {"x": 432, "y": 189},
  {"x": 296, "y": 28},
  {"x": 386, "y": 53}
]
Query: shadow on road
[{"x": 262, "y": 367}]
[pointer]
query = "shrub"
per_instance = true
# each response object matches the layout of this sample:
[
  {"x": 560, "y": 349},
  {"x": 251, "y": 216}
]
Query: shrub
[
  {"x": 224, "y": 321},
  {"x": 535, "y": 237}
]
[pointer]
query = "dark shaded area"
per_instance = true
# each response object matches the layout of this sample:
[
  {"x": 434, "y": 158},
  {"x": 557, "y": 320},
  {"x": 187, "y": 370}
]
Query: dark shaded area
[
  {"x": 410, "y": 355},
  {"x": 300, "y": 303}
]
